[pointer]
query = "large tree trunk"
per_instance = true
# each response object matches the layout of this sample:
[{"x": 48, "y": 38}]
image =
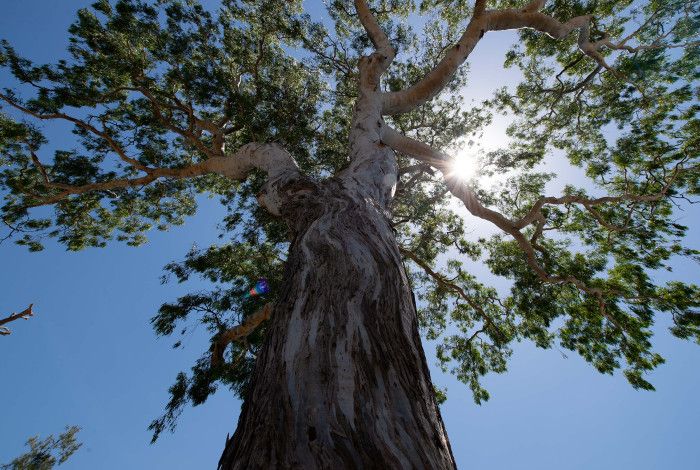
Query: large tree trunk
[{"x": 342, "y": 380}]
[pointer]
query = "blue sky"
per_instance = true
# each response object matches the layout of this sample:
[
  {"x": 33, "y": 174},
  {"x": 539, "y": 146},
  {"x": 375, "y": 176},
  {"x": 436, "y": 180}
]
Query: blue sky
[{"x": 90, "y": 358}]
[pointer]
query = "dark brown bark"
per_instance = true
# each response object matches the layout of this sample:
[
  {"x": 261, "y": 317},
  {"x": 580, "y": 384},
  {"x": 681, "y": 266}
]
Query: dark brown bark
[{"x": 341, "y": 381}]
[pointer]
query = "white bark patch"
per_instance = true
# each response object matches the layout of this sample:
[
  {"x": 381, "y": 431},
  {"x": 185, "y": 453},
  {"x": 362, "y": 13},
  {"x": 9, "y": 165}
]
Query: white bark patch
[
  {"x": 270, "y": 158},
  {"x": 296, "y": 333}
]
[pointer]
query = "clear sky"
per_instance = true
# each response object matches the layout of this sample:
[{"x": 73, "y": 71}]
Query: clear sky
[{"x": 90, "y": 358}]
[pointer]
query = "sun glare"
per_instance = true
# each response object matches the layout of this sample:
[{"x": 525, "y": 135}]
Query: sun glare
[{"x": 464, "y": 166}]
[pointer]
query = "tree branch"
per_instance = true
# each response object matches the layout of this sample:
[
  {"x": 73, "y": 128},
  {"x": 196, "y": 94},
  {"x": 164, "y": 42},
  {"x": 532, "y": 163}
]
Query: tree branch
[
  {"x": 507, "y": 19},
  {"x": 195, "y": 122},
  {"x": 374, "y": 30},
  {"x": 82, "y": 124},
  {"x": 24, "y": 314},
  {"x": 444, "y": 282},
  {"x": 373, "y": 66},
  {"x": 237, "y": 333},
  {"x": 479, "y": 8},
  {"x": 445, "y": 164},
  {"x": 492, "y": 20},
  {"x": 514, "y": 228},
  {"x": 470, "y": 200},
  {"x": 590, "y": 203},
  {"x": 406, "y": 100},
  {"x": 270, "y": 158}
]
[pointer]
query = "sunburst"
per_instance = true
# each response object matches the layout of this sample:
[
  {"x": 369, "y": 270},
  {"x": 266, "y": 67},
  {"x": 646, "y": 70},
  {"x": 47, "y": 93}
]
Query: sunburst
[{"x": 464, "y": 166}]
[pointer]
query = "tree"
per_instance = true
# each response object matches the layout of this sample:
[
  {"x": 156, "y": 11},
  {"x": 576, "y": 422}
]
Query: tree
[
  {"x": 329, "y": 147},
  {"x": 41, "y": 451}
]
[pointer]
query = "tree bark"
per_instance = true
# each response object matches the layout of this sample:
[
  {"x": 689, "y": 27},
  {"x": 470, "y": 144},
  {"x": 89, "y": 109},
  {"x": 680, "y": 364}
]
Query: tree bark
[{"x": 341, "y": 380}]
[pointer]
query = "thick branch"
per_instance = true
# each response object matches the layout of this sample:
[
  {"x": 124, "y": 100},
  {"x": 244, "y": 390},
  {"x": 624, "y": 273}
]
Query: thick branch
[
  {"x": 493, "y": 20},
  {"x": 238, "y": 333},
  {"x": 590, "y": 204},
  {"x": 479, "y": 8},
  {"x": 445, "y": 164},
  {"x": 517, "y": 19},
  {"x": 410, "y": 98},
  {"x": 499, "y": 20},
  {"x": 374, "y": 30},
  {"x": 24, "y": 314},
  {"x": 154, "y": 174},
  {"x": 270, "y": 158},
  {"x": 373, "y": 66}
]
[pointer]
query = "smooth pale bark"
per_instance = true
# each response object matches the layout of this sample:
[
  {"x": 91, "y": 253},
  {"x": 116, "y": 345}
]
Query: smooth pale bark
[{"x": 341, "y": 381}]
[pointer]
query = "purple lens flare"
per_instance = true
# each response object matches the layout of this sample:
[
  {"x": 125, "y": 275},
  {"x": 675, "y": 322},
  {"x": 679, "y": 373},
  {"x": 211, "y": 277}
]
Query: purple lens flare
[{"x": 261, "y": 288}]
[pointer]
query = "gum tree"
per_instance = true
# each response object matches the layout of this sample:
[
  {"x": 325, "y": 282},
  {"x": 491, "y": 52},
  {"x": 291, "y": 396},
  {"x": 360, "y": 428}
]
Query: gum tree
[{"x": 332, "y": 146}]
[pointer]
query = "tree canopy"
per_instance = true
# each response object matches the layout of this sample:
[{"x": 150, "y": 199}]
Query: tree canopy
[{"x": 158, "y": 92}]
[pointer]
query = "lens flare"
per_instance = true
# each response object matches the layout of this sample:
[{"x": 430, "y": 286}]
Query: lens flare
[{"x": 261, "y": 288}]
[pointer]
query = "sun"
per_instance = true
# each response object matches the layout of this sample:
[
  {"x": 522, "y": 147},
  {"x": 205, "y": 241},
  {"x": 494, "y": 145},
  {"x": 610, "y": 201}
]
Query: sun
[{"x": 464, "y": 166}]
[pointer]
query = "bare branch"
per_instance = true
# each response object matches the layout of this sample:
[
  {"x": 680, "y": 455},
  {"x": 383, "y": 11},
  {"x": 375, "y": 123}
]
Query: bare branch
[
  {"x": 590, "y": 203},
  {"x": 42, "y": 170},
  {"x": 238, "y": 333},
  {"x": 373, "y": 66},
  {"x": 479, "y": 8},
  {"x": 493, "y": 20},
  {"x": 535, "y": 5},
  {"x": 442, "y": 162},
  {"x": 24, "y": 314},
  {"x": 112, "y": 184},
  {"x": 408, "y": 99}
]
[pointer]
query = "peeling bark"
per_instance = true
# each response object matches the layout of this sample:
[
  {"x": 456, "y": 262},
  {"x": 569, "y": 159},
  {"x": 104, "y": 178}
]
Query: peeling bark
[{"x": 342, "y": 380}]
